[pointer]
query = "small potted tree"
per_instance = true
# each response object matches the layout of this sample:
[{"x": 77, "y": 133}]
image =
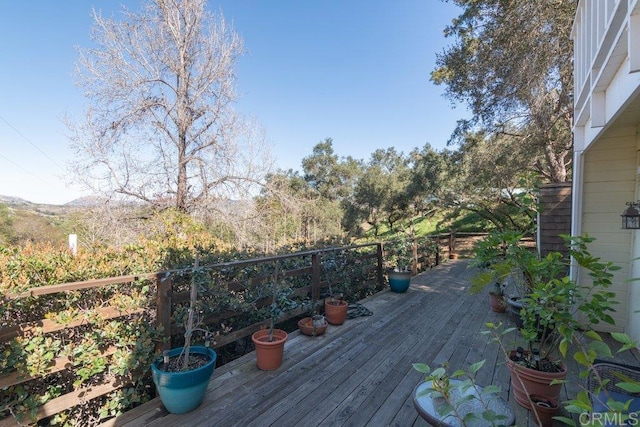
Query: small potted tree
[
  {"x": 182, "y": 374},
  {"x": 556, "y": 312},
  {"x": 335, "y": 307},
  {"x": 492, "y": 256},
  {"x": 400, "y": 262},
  {"x": 269, "y": 343}
]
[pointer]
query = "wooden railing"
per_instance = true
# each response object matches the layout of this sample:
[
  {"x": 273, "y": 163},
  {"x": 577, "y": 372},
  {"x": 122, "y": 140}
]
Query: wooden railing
[
  {"x": 305, "y": 272},
  {"x": 309, "y": 271}
]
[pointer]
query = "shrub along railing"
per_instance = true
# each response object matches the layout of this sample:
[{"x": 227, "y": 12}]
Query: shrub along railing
[{"x": 77, "y": 353}]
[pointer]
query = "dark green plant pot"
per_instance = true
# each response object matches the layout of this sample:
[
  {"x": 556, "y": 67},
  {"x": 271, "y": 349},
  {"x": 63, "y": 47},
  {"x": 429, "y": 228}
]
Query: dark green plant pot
[
  {"x": 182, "y": 392},
  {"x": 399, "y": 281}
]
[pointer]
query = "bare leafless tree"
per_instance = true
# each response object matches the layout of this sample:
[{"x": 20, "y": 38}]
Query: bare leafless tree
[{"x": 160, "y": 126}]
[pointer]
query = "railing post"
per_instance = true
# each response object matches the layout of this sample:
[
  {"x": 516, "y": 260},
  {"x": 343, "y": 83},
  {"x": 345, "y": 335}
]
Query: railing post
[
  {"x": 163, "y": 307},
  {"x": 414, "y": 256},
  {"x": 315, "y": 278},
  {"x": 380, "y": 268},
  {"x": 452, "y": 242}
]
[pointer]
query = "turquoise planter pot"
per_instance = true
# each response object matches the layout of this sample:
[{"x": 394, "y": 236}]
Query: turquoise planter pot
[
  {"x": 182, "y": 392},
  {"x": 399, "y": 281}
]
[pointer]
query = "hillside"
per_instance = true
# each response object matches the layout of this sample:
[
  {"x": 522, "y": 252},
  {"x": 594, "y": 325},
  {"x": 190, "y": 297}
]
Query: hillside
[
  {"x": 16, "y": 202},
  {"x": 23, "y": 221}
]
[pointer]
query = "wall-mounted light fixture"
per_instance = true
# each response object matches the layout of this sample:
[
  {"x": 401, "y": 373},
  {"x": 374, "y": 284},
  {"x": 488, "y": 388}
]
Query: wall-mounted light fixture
[{"x": 631, "y": 216}]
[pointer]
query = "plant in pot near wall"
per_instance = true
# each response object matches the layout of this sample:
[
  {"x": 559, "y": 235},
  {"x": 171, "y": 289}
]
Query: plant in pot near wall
[
  {"x": 182, "y": 374},
  {"x": 400, "y": 263},
  {"x": 558, "y": 319},
  {"x": 498, "y": 257},
  {"x": 557, "y": 313},
  {"x": 269, "y": 343}
]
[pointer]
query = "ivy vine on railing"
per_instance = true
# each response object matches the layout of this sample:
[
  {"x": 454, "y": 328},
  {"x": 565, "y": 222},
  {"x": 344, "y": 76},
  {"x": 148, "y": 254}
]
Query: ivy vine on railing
[{"x": 86, "y": 328}]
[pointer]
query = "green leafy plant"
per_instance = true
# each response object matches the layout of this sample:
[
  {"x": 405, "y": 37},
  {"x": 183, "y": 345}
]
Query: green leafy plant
[
  {"x": 336, "y": 270},
  {"x": 400, "y": 253},
  {"x": 559, "y": 312},
  {"x": 555, "y": 306},
  {"x": 586, "y": 348},
  {"x": 557, "y": 309},
  {"x": 502, "y": 259},
  {"x": 457, "y": 396},
  {"x": 281, "y": 299}
]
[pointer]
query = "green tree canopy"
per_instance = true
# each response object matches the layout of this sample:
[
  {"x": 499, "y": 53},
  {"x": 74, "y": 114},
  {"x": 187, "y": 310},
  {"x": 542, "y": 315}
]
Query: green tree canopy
[{"x": 511, "y": 64}]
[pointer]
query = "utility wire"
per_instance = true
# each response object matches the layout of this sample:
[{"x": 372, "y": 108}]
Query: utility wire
[
  {"x": 25, "y": 170},
  {"x": 30, "y": 142}
]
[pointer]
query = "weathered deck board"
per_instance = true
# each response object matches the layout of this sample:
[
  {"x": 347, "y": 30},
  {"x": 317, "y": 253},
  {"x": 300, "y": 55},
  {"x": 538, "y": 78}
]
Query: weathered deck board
[{"x": 359, "y": 373}]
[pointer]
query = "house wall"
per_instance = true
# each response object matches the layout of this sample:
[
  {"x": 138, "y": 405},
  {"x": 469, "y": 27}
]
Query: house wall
[
  {"x": 555, "y": 217},
  {"x": 633, "y": 324},
  {"x": 610, "y": 176}
]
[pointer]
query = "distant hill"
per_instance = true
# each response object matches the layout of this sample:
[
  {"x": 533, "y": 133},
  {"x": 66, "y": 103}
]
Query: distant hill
[
  {"x": 84, "y": 202},
  {"x": 81, "y": 202},
  {"x": 10, "y": 200}
]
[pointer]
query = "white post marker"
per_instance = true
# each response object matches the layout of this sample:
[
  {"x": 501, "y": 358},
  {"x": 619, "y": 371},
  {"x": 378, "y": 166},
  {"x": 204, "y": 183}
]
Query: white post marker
[{"x": 73, "y": 243}]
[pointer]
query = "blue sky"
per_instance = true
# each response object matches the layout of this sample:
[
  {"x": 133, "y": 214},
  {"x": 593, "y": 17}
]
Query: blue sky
[{"x": 356, "y": 71}]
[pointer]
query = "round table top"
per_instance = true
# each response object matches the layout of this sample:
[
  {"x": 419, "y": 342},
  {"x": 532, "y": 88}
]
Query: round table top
[{"x": 427, "y": 406}]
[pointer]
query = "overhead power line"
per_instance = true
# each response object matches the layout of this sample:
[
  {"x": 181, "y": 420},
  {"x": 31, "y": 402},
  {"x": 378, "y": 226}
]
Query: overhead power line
[
  {"x": 32, "y": 144},
  {"x": 25, "y": 170}
]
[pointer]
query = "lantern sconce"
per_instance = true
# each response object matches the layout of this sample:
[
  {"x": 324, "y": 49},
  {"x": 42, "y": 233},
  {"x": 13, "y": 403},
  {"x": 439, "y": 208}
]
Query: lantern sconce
[{"x": 631, "y": 216}]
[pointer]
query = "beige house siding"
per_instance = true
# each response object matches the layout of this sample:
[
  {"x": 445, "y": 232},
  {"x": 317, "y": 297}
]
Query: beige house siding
[{"x": 609, "y": 182}]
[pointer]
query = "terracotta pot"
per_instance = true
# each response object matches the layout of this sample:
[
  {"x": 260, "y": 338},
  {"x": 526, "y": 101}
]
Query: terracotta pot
[
  {"x": 269, "y": 354},
  {"x": 335, "y": 311},
  {"x": 535, "y": 382},
  {"x": 544, "y": 408},
  {"x": 498, "y": 303},
  {"x": 306, "y": 326}
]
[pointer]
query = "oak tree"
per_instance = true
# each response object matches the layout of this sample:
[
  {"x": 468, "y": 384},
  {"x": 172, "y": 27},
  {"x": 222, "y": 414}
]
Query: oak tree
[{"x": 511, "y": 64}]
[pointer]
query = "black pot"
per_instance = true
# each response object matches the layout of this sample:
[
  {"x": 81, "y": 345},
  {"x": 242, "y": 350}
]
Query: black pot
[{"x": 515, "y": 305}]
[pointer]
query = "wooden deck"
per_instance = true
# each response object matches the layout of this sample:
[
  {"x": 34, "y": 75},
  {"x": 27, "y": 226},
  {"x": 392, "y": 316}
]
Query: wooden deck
[{"x": 359, "y": 373}]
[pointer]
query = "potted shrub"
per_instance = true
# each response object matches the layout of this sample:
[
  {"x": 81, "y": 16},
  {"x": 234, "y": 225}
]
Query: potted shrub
[
  {"x": 557, "y": 312},
  {"x": 498, "y": 257},
  {"x": 400, "y": 262},
  {"x": 182, "y": 375},
  {"x": 458, "y": 400},
  {"x": 269, "y": 343},
  {"x": 335, "y": 307}
]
